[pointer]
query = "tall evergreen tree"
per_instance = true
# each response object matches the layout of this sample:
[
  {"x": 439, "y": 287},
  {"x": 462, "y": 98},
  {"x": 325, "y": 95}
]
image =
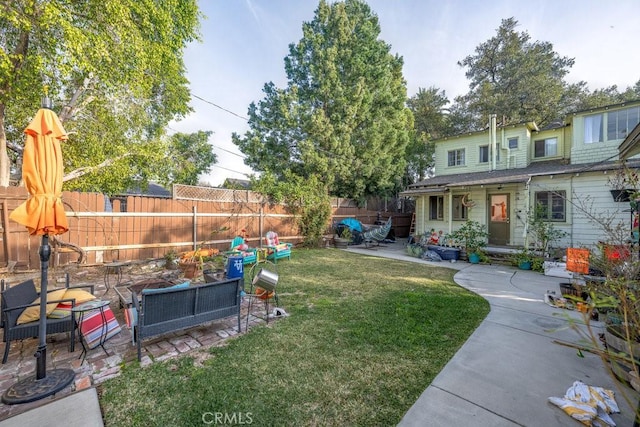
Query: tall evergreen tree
[
  {"x": 516, "y": 79},
  {"x": 342, "y": 116}
]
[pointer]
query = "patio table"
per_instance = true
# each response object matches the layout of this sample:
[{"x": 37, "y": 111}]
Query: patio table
[{"x": 124, "y": 291}]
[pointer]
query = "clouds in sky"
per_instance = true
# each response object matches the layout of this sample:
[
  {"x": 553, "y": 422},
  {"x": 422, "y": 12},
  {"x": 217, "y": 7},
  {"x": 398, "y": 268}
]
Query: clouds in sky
[{"x": 244, "y": 44}]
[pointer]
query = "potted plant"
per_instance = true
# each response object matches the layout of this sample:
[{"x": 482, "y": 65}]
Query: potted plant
[
  {"x": 171, "y": 260},
  {"x": 191, "y": 262},
  {"x": 472, "y": 236},
  {"x": 343, "y": 236},
  {"x": 623, "y": 183},
  {"x": 523, "y": 259}
]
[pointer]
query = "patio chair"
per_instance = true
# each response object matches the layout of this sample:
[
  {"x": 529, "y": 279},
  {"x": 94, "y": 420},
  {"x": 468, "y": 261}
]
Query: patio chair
[
  {"x": 16, "y": 299},
  {"x": 275, "y": 249},
  {"x": 239, "y": 247}
]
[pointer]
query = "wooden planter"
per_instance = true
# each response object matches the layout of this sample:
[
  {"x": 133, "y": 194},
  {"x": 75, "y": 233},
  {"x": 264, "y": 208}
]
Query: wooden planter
[{"x": 617, "y": 344}]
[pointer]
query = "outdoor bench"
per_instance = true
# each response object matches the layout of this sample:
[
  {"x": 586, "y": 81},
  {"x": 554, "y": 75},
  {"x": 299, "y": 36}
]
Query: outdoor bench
[{"x": 159, "y": 311}]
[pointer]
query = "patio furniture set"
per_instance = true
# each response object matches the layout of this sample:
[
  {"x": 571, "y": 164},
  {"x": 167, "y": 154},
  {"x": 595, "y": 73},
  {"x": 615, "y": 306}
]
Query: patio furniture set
[{"x": 153, "y": 307}]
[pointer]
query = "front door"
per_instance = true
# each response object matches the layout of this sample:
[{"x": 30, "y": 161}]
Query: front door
[{"x": 498, "y": 219}]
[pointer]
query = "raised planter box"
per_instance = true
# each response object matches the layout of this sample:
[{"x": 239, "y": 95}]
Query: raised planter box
[{"x": 445, "y": 252}]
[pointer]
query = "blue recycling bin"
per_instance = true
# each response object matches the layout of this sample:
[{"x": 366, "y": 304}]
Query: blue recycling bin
[{"x": 235, "y": 267}]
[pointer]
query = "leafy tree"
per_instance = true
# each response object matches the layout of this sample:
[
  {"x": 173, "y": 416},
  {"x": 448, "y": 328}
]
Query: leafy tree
[
  {"x": 429, "y": 108},
  {"x": 431, "y": 122},
  {"x": 308, "y": 199},
  {"x": 515, "y": 78},
  {"x": 342, "y": 116},
  {"x": 115, "y": 67},
  {"x": 419, "y": 157},
  {"x": 189, "y": 155},
  {"x": 606, "y": 96}
]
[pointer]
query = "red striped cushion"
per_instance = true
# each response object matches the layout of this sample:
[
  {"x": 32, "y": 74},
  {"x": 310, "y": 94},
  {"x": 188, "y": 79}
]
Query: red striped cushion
[{"x": 92, "y": 326}]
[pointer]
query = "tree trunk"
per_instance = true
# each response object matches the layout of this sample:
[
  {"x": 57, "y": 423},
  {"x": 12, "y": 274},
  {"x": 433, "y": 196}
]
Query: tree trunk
[{"x": 4, "y": 157}]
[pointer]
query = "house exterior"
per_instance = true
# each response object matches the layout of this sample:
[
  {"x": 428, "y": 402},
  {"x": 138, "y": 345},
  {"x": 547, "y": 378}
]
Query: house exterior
[{"x": 499, "y": 175}]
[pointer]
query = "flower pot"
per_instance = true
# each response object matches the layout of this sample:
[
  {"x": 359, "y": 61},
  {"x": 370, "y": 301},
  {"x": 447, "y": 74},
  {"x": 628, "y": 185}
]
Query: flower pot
[
  {"x": 341, "y": 243},
  {"x": 189, "y": 269},
  {"x": 474, "y": 258},
  {"x": 621, "y": 195},
  {"x": 524, "y": 265}
]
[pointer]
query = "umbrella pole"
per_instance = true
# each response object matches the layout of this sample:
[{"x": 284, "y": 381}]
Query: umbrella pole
[
  {"x": 41, "y": 385},
  {"x": 41, "y": 353}
]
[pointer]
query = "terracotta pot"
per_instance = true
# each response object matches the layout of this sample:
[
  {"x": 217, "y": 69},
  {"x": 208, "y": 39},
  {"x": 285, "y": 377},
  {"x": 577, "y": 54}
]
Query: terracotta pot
[{"x": 189, "y": 269}]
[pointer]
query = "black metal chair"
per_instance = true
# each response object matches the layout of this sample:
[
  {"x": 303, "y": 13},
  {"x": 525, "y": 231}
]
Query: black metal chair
[{"x": 16, "y": 299}]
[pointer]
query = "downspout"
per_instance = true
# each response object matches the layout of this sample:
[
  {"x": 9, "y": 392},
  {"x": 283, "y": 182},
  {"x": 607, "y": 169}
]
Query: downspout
[
  {"x": 572, "y": 216},
  {"x": 492, "y": 135},
  {"x": 525, "y": 233},
  {"x": 502, "y": 142},
  {"x": 450, "y": 219}
]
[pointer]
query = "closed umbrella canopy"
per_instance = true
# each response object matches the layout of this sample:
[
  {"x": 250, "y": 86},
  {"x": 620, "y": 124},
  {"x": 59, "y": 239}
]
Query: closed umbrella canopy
[
  {"x": 43, "y": 214},
  {"x": 42, "y": 169}
]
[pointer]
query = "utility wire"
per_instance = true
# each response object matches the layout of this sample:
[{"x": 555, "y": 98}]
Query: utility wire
[
  {"x": 242, "y": 156},
  {"x": 230, "y": 170},
  {"x": 222, "y": 108}
]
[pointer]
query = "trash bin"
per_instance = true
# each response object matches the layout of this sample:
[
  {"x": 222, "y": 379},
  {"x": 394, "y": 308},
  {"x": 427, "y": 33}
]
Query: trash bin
[{"x": 235, "y": 267}]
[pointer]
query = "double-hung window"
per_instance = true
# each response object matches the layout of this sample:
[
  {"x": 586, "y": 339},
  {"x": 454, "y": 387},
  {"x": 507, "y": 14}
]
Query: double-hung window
[
  {"x": 484, "y": 154},
  {"x": 593, "y": 129},
  {"x": 456, "y": 157},
  {"x": 551, "y": 205},
  {"x": 459, "y": 210},
  {"x": 436, "y": 207},
  {"x": 546, "y": 147}
]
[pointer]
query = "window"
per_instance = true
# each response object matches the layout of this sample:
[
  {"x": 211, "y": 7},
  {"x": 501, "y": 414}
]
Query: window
[
  {"x": 551, "y": 205},
  {"x": 436, "y": 207},
  {"x": 484, "y": 154},
  {"x": 456, "y": 157},
  {"x": 546, "y": 147},
  {"x": 621, "y": 122},
  {"x": 593, "y": 128},
  {"x": 459, "y": 210},
  {"x": 513, "y": 143}
]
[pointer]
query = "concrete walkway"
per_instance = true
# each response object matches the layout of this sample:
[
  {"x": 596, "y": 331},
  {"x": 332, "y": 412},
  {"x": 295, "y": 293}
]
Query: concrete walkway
[
  {"x": 504, "y": 373},
  {"x": 502, "y": 376}
]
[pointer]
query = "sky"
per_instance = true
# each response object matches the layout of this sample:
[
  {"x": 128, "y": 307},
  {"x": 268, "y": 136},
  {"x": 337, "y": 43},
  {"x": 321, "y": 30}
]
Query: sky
[{"x": 244, "y": 43}]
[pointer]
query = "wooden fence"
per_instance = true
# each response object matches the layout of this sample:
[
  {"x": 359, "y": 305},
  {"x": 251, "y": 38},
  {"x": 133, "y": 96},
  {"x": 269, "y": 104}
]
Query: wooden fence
[{"x": 140, "y": 227}]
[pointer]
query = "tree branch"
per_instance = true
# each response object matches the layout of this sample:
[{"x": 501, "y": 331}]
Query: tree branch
[{"x": 86, "y": 170}]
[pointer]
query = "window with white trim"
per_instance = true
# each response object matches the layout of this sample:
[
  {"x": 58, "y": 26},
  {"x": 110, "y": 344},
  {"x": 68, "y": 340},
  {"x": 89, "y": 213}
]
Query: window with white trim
[
  {"x": 459, "y": 209},
  {"x": 436, "y": 207},
  {"x": 593, "y": 128},
  {"x": 621, "y": 122},
  {"x": 546, "y": 147},
  {"x": 456, "y": 157},
  {"x": 513, "y": 143},
  {"x": 484, "y": 154},
  {"x": 551, "y": 205}
]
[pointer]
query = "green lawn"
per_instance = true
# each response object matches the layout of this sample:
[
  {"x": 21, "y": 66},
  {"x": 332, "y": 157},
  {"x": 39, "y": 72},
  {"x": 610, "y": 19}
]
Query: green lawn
[{"x": 365, "y": 337}]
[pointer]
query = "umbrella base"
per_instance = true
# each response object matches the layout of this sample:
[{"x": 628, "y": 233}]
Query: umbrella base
[{"x": 31, "y": 389}]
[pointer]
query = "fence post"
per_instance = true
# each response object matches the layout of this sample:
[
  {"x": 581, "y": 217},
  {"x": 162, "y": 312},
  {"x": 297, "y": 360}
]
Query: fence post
[
  {"x": 195, "y": 227},
  {"x": 260, "y": 223}
]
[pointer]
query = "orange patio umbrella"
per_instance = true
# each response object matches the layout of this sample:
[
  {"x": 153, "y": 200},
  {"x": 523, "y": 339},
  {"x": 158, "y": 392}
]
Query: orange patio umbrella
[
  {"x": 43, "y": 214},
  {"x": 42, "y": 168}
]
